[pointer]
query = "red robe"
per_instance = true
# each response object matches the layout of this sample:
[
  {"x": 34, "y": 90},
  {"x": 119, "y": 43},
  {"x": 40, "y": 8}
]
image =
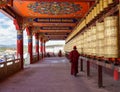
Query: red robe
[{"x": 74, "y": 56}]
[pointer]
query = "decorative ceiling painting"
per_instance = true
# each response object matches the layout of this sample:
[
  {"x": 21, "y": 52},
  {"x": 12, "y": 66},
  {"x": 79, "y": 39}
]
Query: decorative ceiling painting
[
  {"x": 54, "y": 8},
  {"x": 42, "y": 9},
  {"x": 55, "y": 19}
]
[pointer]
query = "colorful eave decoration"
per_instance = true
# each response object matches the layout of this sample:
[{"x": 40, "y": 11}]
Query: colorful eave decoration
[
  {"x": 55, "y": 20},
  {"x": 3, "y": 3},
  {"x": 54, "y": 8}
]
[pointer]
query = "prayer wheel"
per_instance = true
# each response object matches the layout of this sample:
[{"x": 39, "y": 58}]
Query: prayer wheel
[
  {"x": 105, "y": 3},
  {"x": 93, "y": 40},
  {"x": 92, "y": 14},
  {"x": 111, "y": 37},
  {"x": 110, "y": 1},
  {"x": 95, "y": 11},
  {"x": 100, "y": 39},
  {"x": 98, "y": 8},
  {"x": 101, "y": 5}
]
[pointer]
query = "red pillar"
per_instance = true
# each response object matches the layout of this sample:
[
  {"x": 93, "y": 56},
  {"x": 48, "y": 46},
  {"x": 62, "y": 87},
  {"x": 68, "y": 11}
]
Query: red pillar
[
  {"x": 30, "y": 48},
  {"x": 44, "y": 48},
  {"x": 20, "y": 46},
  {"x": 41, "y": 46},
  {"x": 37, "y": 45},
  {"x": 19, "y": 42}
]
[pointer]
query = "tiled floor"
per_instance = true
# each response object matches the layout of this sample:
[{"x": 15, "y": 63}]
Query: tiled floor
[{"x": 50, "y": 75}]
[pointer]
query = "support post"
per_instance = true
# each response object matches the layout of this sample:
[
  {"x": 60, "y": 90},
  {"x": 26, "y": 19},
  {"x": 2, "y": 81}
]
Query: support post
[
  {"x": 29, "y": 34},
  {"x": 81, "y": 63},
  {"x": 37, "y": 45},
  {"x": 41, "y": 47},
  {"x": 20, "y": 46},
  {"x": 19, "y": 42},
  {"x": 30, "y": 48},
  {"x": 100, "y": 79},
  {"x": 44, "y": 48},
  {"x": 88, "y": 68}
]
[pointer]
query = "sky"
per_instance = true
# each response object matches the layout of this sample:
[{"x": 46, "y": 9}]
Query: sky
[{"x": 8, "y": 33}]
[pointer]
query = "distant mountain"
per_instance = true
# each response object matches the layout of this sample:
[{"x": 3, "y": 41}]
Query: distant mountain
[{"x": 8, "y": 46}]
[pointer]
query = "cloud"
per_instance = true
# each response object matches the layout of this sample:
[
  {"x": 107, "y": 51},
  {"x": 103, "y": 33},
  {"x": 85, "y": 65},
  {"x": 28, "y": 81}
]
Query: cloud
[{"x": 8, "y": 33}]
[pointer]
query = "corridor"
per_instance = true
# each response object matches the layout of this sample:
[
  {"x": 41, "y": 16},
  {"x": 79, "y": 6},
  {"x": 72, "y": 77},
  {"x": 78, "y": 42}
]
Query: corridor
[{"x": 49, "y": 75}]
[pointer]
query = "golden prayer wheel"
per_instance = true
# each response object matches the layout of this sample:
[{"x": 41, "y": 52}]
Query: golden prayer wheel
[
  {"x": 98, "y": 8},
  {"x": 95, "y": 11},
  {"x": 111, "y": 38},
  {"x": 111, "y": 31},
  {"x": 110, "y": 21},
  {"x": 100, "y": 26},
  {"x": 100, "y": 42},
  {"x": 92, "y": 14},
  {"x": 93, "y": 30},
  {"x": 100, "y": 35},
  {"x": 105, "y": 3},
  {"x": 111, "y": 52},
  {"x": 110, "y": 1},
  {"x": 100, "y": 38},
  {"x": 101, "y": 5},
  {"x": 111, "y": 41}
]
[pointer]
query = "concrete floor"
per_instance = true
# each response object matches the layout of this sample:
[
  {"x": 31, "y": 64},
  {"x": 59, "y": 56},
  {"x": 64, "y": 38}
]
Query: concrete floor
[{"x": 50, "y": 75}]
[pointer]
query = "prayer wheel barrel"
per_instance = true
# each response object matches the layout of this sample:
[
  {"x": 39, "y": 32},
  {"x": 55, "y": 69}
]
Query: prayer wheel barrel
[{"x": 111, "y": 37}]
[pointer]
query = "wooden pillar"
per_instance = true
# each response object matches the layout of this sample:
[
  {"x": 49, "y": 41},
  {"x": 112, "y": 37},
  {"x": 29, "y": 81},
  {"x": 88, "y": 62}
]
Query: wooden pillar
[
  {"x": 88, "y": 68},
  {"x": 81, "y": 63},
  {"x": 41, "y": 46},
  {"x": 44, "y": 48},
  {"x": 20, "y": 46},
  {"x": 29, "y": 34},
  {"x": 30, "y": 48},
  {"x": 100, "y": 79},
  {"x": 19, "y": 43},
  {"x": 37, "y": 45}
]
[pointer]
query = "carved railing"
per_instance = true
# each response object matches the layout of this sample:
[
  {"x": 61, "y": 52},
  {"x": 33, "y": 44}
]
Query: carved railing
[{"x": 10, "y": 67}]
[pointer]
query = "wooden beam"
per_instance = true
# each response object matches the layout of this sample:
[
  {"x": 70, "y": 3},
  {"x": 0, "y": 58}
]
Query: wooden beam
[
  {"x": 54, "y": 24},
  {"x": 61, "y": 0},
  {"x": 56, "y": 38},
  {"x": 66, "y": 31},
  {"x": 7, "y": 14},
  {"x": 56, "y": 35}
]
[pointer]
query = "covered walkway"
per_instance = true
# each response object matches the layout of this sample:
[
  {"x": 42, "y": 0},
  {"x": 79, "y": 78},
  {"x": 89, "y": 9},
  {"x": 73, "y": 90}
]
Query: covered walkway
[{"x": 49, "y": 75}]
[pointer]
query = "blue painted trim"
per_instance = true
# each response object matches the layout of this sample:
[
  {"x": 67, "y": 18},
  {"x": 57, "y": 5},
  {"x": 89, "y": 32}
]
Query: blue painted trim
[
  {"x": 19, "y": 37},
  {"x": 29, "y": 40}
]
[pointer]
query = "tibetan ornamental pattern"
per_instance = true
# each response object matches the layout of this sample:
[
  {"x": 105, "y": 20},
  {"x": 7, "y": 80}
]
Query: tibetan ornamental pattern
[{"x": 54, "y": 8}]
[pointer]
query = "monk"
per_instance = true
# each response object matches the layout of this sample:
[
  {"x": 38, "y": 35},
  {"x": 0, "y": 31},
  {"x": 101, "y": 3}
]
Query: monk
[{"x": 74, "y": 56}]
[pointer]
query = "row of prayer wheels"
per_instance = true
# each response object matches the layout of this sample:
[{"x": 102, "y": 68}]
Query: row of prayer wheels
[
  {"x": 100, "y": 40},
  {"x": 97, "y": 9}
]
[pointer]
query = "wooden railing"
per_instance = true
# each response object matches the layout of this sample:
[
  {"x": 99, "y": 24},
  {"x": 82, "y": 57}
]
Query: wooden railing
[
  {"x": 8, "y": 68},
  {"x": 102, "y": 65}
]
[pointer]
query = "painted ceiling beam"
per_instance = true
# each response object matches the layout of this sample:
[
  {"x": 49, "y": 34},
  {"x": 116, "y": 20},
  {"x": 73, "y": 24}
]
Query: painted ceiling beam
[
  {"x": 54, "y": 24},
  {"x": 61, "y": 0},
  {"x": 57, "y": 38},
  {"x": 63, "y": 31},
  {"x": 56, "y": 35}
]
